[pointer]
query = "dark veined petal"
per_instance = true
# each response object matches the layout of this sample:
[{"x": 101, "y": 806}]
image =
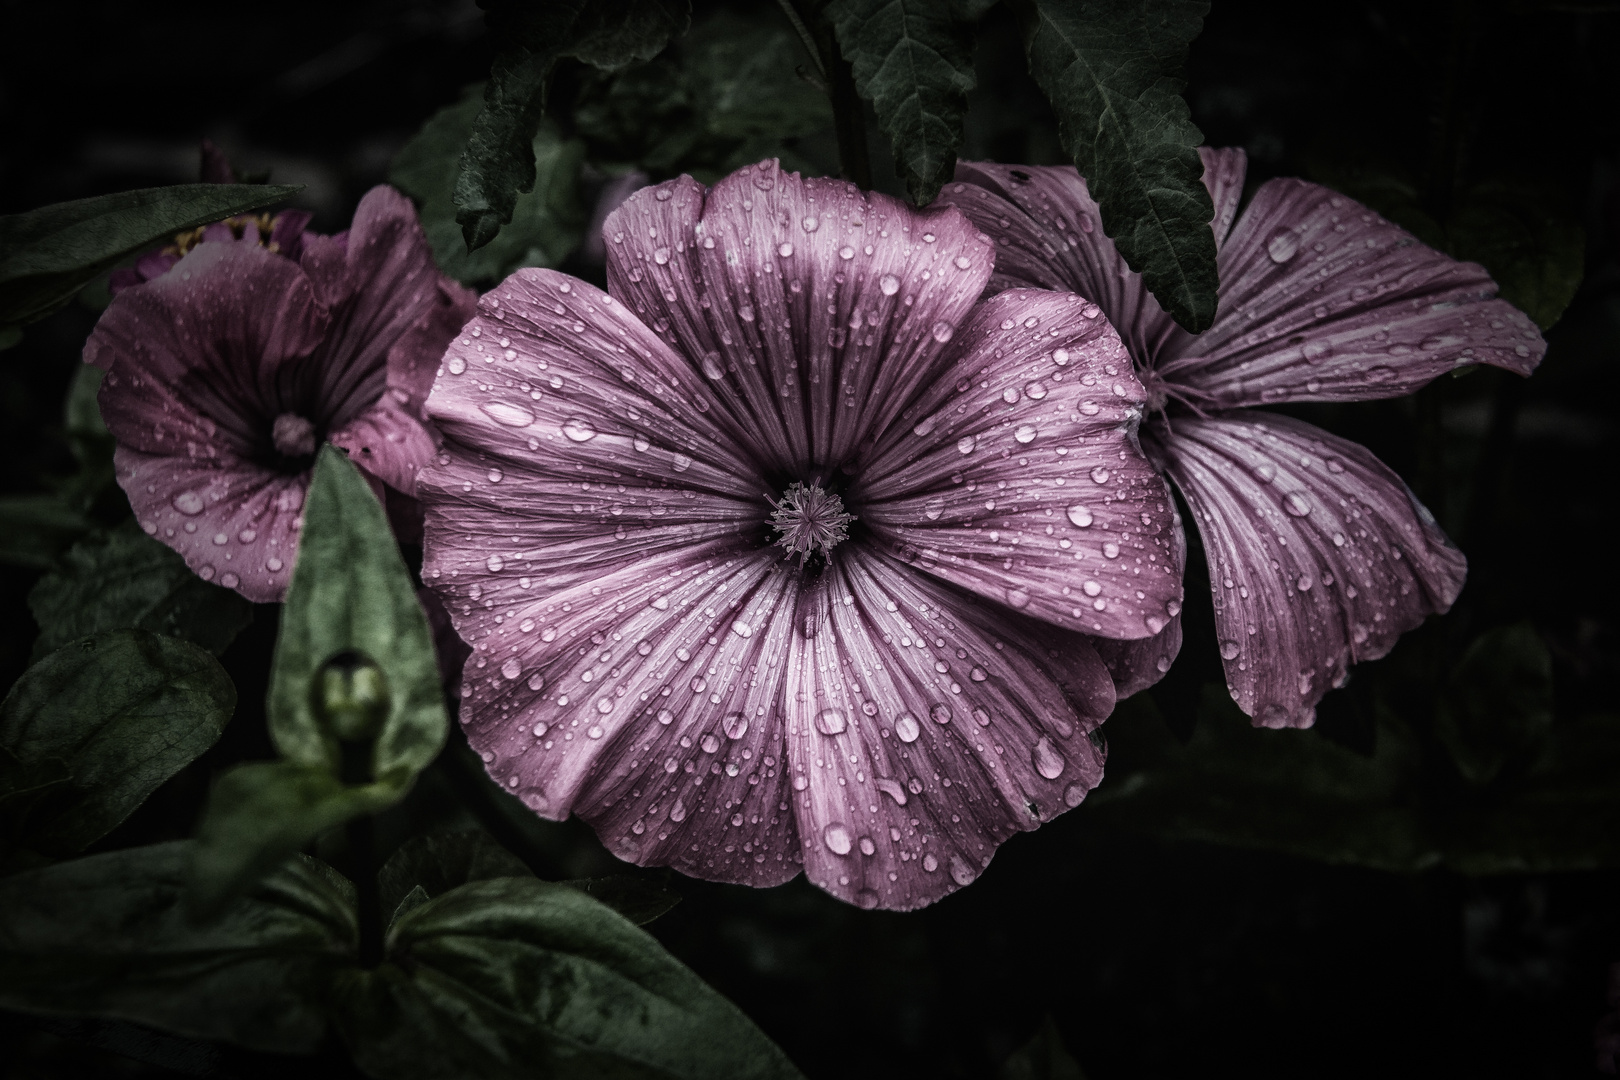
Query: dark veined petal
[
  {"x": 576, "y": 442},
  {"x": 1017, "y": 474},
  {"x": 1323, "y": 300},
  {"x": 235, "y": 523},
  {"x": 389, "y": 442},
  {"x": 1048, "y": 235},
  {"x": 414, "y": 359},
  {"x": 924, "y": 728},
  {"x": 1137, "y": 665},
  {"x": 386, "y": 284},
  {"x": 1319, "y": 556},
  {"x": 201, "y": 355},
  {"x": 814, "y": 309}
]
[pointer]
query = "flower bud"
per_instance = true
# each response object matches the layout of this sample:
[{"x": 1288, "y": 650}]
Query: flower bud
[{"x": 349, "y": 697}]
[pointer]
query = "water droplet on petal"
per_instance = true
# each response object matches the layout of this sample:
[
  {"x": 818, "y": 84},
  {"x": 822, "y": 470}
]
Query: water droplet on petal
[
  {"x": 1048, "y": 762},
  {"x": 1099, "y": 475},
  {"x": 1283, "y": 245},
  {"x": 456, "y": 365},
  {"x": 837, "y": 839},
  {"x": 965, "y": 444},
  {"x": 891, "y": 789},
  {"x": 907, "y": 728},
  {"x": 889, "y": 284},
  {"x": 494, "y": 562},
  {"x": 1025, "y": 434},
  {"x": 512, "y": 668},
  {"x": 189, "y": 503},
  {"x": 735, "y": 725},
  {"x": 961, "y": 872},
  {"x": 578, "y": 430},
  {"x": 943, "y": 331},
  {"x": 510, "y": 415},
  {"x": 712, "y": 367},
  {"x": 933, "y": 508},
  {"x": 1080, "y": 516},
  {"x": 830, "y": 722},
  {"x": 1297, "y": 504},
  {"x": 784, "y": 249},
  {"x": 941, "y": 713}
]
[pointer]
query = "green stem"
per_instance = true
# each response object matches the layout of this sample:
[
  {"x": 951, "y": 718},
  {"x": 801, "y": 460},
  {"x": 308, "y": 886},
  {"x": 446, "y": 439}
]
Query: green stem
[
  {"x": 849, "y": 115},
  {"x": 361, "y": 834}
]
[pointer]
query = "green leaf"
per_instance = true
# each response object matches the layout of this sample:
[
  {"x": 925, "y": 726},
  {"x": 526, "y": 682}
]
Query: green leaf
[
  {"x": 34, "y": 529},
  {"x": 913, "y": 59},
  {"x": 123, "y": 711},
  {"x": 47, "y": 255},
  {"x": 547, "y": 223},
  {"x": 515, "y": 977},
  {"x": 350, "y": 591},
  {"x": 1044, "y": 1057},
  {"x": 636, "y": 898},
  {"x": 260, "y": 813},
  {"x": 109, "y": 936},
  {"x": 1499, "y": 701},
  {"x": 498, "y": 163},
  {"x": 743, "y": 85},
  {"x": 1112, "y": 71},
  {"x": 1520, "y": 232},
  {"x": 441, "y": 861},
  {"x": 124, "y": 578}
]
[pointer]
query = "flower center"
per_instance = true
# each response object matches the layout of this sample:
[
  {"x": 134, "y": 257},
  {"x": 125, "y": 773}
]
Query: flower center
[
  {"x": 293, "y": 435},
  {"x": 810, "y": 520}
]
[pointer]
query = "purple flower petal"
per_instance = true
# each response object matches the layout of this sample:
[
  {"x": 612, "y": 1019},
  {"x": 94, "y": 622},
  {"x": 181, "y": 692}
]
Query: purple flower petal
[
  {"x": 388, "y": 284},
  {"x": 1323, "y": 300},
  {"x": 815, "y": 309},
  {"x": 1319, "y": 556},
  {"x": 1017, "y": 475},
  {"x": 235, "y": 524},
  {"x": 1137, "y": 665},
  {"x": 923, "y": 730},
  {"x": 414, "y": 359},
  {"x": 389, "y": 442}
]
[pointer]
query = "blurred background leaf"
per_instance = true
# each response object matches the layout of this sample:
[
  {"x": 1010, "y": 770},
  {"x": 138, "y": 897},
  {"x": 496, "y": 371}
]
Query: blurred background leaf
[{"x": 1044, "y": 1057}]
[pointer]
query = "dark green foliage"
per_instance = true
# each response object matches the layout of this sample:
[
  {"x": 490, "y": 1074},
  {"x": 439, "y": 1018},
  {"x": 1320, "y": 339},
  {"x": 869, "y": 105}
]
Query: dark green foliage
[
  {"x": 1044, "y": 1057},
  {"x": 47, "y": 255},
  {"x": 110, "y": 935},
  {"x": 124, "y": 578},
  {"x": 441, "y": 861},
  {"x": 514, "y": 977},
  {"x": 94, "y": 728},
  {"x": 913, "y": 59},
  {"x": 636, "y": 898},
  {"x": 498, "y": 163},
  {"x": 1112, "y": 70},
  {"x": 34, "y": 528},
  {"x": 546, "y": 222},
  {"x": 1500, "y": 701}
]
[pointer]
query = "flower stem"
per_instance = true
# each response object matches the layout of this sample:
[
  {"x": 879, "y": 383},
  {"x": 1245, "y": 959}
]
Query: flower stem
[
  {"x": 849, "y": 117},
  {"x": 361, "y": 834}
]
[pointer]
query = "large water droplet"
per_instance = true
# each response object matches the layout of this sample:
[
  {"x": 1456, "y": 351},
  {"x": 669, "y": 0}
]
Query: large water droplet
[
  {"x": 943, "y": 331},
  {"x": 1025, "y": 434},
  {"x": 907, "y": 728},
  {"x": 709, "y": 743},
  {"x": 1048, "y": 762},
  {"x": 578, "y": 430},
  {"x": 889, "y": 284},
  {"x": 1283, "y": 245},
  {"x": 512, "y": 668},
  {"x": 1080, "y": 516},
  {"x": 494, "y": 562},
  {"x": 941, "y": 713},
  {"x": 892, "y": 789},
  {"x": 735, "y": 725},
  {"x": 1099, "y": 475},
  {"x": 830, "y": 722},
  {"x": 680, "y": 462},
  {"x": 189, "y": 503},
  {"x": 1230, "y": 650},
  {"x": 837, "y": 838},
  {"x": 712, "y": 367},
  {"x": 1297, "y": 504},
  {"x": 965, "y": 444},
  {"x": 511, "y": 415},
  {"x": 933, "y": 508},
  {"x": 961, "y": 872}
]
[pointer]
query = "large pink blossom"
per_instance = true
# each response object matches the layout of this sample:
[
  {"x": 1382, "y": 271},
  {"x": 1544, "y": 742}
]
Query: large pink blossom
[
  {"x": 781, "y": 553},
  {"x": 1319, "y": 556},
  {"x": 229, "y": 367}
]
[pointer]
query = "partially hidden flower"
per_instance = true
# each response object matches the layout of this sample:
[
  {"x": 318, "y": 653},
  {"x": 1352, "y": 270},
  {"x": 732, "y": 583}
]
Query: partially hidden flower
[
  {"x": 1319, "y": 555},
  {"x": 781, "y": 553},
  {"x": 228, "y": 370}
]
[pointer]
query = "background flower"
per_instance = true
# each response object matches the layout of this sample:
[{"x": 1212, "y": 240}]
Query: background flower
[
  {"x": 599, "y": 525},
  {"x": 1319, "y": 556},
  {"x": 227, "y": 372}
]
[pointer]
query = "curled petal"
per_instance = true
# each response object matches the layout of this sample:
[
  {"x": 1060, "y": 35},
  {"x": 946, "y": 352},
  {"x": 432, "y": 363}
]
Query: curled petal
[
  {"x": 235, "y": 524},
  {"x": 1323, "y": 300},
  {"x": 1319, "y": 556},
  {"x": 813, "y": 309},
  {"x": 652, "y": 716},
  {"x": 1017, "y": 474},
  {"x": 389, "y": 442},
  {"x": 414, "y": 358},
  {"x": 924, "y": 729}
]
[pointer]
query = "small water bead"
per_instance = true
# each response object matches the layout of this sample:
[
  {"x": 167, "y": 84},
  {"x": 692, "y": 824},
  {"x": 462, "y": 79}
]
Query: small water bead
[
  {"x": 1010, "y": 395},
  {"x": 1317, "y": 351},
  {"x": 961, "y": 262},
  {"x": 540, "y": 729},
  {"x": 665, "y": 717},
  {"x": 933, "y": 508},
  {"x": 709, "y": 743},
  {"x": 661, "y": 256},
  {"x": 512, "y": 668},
  {"x": 907, "y": 728},
  {"x": 1110, "y": 550},
  {"x": 1048, "y": 762},
  {"x": 1283, "y": 245},
  {"x": 811, "y": 223},
  {"x": 892, "y": 789},
  {"x": 928, "y": 238},
  {"x": 455, "y": 365},
  {"x": 220, "y": 539},
  {"x": 941, "y": 713},
  {"x": 711, "y": 368},
  {"x": 965, "y": 444},
  {"x": 837, "y": 838},
  {"x": 527, "y": 626},
  {"x": 930, "y": 863},
  {"x": 889, "y": 284},
  {"x": 846, "y": 253},
  {"x": 943, "y": 331},
  {"x": 1035, "y": 391},
  {"x": 247, "y": 536},
  {"x": 1091, "y": 588},
  {"x": 662, "y": 194},
  {"x": 510, "y": 354},
  {"x": 680, "y": 462},
  {"x": 830, "y": 722},
  {"x": 1297, "y": 504},
  {"x": 868, "y": 848},
  {"x": 1304, "y": 583},
  {"x": 784, "y": 249},
  {"x": 1025, "y": 434},
  {"x": 1060, "y": 357},
  {"x": 273, "y": 565},
  {"x": 1100, "y": 475},
  {"x": 189, "y": 503},
  {"x": 1266, "y": 471},
  {"x": 229, "y": 580},
  {"x": 961, "y": 872},
  {"x": 495, "y": 476},
  {"x": 1080, "y": 516}
]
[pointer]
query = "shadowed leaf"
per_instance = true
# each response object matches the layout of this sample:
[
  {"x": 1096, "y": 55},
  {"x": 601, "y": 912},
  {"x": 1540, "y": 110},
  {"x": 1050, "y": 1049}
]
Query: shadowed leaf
[
  {"x": 1044, "y": 1057},
  {"x": 1112, "y": 71}
]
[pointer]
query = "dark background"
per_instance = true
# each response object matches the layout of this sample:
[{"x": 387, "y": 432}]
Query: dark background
[{"x": 1154, "y": 958}]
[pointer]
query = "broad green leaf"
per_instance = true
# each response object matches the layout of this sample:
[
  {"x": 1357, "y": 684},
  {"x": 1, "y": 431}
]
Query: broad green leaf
[
  {"x": 1112, "y": 71},
  {"x": 260, "y": 813},
  {"x": 1499, "y": 701},
  {"x": 546, "y": 224},
  {"x": 47, "y": 255},
  {"x": 441, "y": 861},
  {"x": 1518, "y": 231},
  {"x": 515, "y": 977},
  {"x": 350, "y": 591},
  {"x": 34, "y": 529},
  {"x": 636, "y": 898},
  {"x": 125, "y": 578},
  {"x": 743, "y": 85},
  {"x": 1044, "y": 1057},
  {"x": 498, "y": 163},
  {"x": 913, "y": 59},
  {"x": 123, "y": 711},
  {"x": 109, "y": 936}
]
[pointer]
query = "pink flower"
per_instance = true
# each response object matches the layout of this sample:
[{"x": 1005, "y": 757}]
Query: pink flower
[
  {"x": 781, "y": 554},
  {"x": 1319, "y": 556},
  {"x": 226, "y": 372}
]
